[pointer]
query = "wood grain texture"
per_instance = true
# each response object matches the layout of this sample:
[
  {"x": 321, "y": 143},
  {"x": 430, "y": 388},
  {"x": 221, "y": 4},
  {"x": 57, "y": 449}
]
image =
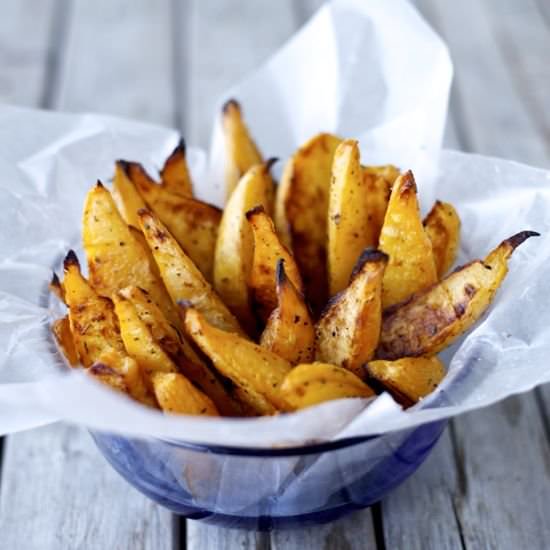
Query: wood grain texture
[
  {"x": 421, "y": 513},
  {"x": 201, "y": 536},
  {"x": 119, "y": 60},
  {"x": 58, "y": 493},
  {"x": 354, "y": 532},
  {"x": 229, "y": 39},
  {"x": 25, "y": 50}
]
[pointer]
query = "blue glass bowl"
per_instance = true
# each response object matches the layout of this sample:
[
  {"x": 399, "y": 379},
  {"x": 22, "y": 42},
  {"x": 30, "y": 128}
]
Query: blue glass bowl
[{"x": 269, "y": 488}]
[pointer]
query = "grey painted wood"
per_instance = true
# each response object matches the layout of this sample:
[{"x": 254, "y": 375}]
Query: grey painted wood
[
  {"x": 24, "y": 50},
  {"x": 58, "y": 494},
  {"x": 119, "y": 60},
  {"x": 57, "y": 491},
  {"x": 421, "y": 513},
  {"x": 229, "y": 40},
  {"x": 489, "y": 109},
  {"x": 502, "y": 453},
  {"x": 354, "y": 532},
  {"x": 209, "y": 537}
]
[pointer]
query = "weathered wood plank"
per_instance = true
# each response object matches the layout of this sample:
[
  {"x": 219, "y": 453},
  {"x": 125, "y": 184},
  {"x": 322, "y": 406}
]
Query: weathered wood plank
[
  {"x": 201, "y": 536},
  {"x": 229, "y": 40},
  {"x": 119, "y": 60},
  {"x": 25, "y": 55},
  {"x": 501, "y": 451},
  {"x": 420, "y": 514},
  {"x": 59, "y": 493},
  {"x": 354, "y": 532}
]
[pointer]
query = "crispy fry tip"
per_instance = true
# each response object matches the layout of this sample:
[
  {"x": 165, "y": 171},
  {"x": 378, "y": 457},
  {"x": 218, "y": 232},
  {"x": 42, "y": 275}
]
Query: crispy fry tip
[
  {"x": 253, "y": 211},
  {"x": 124, "y": 165},
  {"x": 99, "y": 185},
  {"x": 515, "y": 240},
  {"x": 269, "y": 163},
  {"x": 368, "y": 255},
  {"x": 55, "y": 280},
  {"x": 409, "y": 183},
  {"x": 231, "y": 104},
  {"x": 71, "y": 259}
]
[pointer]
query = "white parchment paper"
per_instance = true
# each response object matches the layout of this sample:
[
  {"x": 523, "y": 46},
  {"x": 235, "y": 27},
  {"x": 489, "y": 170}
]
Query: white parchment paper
[{"x": 371, "y": 70}]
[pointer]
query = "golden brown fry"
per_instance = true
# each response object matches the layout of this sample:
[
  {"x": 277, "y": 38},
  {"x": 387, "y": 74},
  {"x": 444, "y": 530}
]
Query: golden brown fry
[
  {"x": 180, "y": 351},
  {"x": 301, "y": 208},
  {"x": 95, "y": 330},
  {"x": 310, "y": 384},
  {"x": 289, "y": 330},
  {"x": 126, "y": 196},
  {"x": 92, "y": 320},
  {"x": 348, "y": 331},
  {"x": 348, "y": 215},
  {"x": 257, "y": 371},
  {"x": 175, "y": 176},
  {"x": 240, "y": 150},
  {"x": 235, "y": 244},
  {"x": 411, "y": 267},
  {"x": 61, "y": 329},
  {"x": 176, "y": 394},
  {"x": 182, "y": 278},
  {"x": 442, "y": 226},
  {"x": 56, "y": 287},
  {"x": 268, "y": 250},
  {"x": 378, "y": 181},
  {"x": 139, "y": 341},
  {"x": 431, "y": 320},
  {"x": 109, "y": 376},
  {"x": 138, "y": 235},
  {"x": 116, "y": 259},
  {"x": 193, "y": 223},
  {"x": 408, "y": 379}
]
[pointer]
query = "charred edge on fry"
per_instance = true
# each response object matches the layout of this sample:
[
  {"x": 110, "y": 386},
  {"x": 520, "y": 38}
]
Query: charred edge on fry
[
  {"x": 515, "y": 240},
  {"x": 409, "y": 184},
  {"x": 369, "y": 255},
  {"x": 253, "y": 211},
  {"x": 124, "y": 165},
  {"x": 280, "y": 273},
  {"x": 55, "y": 282},
  {"x": 269, "y": 163},
  {"x": 229, "y": 104},
  {"x": 432, "y": 212},
  {"x": 144, "y": 213},
  {"x": 179, "y": 149},
  {"x": 99, "y": 185},
  {"x": 102, "y": 369},
  {"x": 71, "y": 259},
  {"x": 378, "y": 386}
]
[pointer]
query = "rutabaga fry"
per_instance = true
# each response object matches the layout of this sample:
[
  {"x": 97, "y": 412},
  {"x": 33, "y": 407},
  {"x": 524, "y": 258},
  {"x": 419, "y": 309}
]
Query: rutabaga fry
[
  {"x": 235, "y": 244},
  {"x": 56, "y": 288},
  {"x": 95, "y": 330},
  {"x": 348, "y": 215},
  {"x": 180, "y": 351},
  {"x": 193, "y": 223},
  {"x": 240, "y": 150},
  {"x": 442, "y": 226},
  {"x": 408, "y": 379},
  {"x": 267, "y": 251},
  {"x": 116, "y": 259},
  {"x": 175, "y": 176},
  {"x": 378, "y": 181},
  {"x": 301, "y": 208},
  {"x": 175, "y": 394},
  {"x": 289, "y": 330},
  {"x": 126, "y": 196},
  {"x": 348, "y": 331},
  {"x": 257, "y": 371},
  {"x": 411, "y": 266},
  {"x": 310, "y": 384},
  {"x": 61, "y": 329},
  {"x": 431, "y": 320},
  {"x": 181, "y": 276}
]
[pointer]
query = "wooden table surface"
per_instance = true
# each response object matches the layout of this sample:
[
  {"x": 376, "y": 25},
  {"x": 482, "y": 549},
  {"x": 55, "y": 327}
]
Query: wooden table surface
[{"x": 487, "y": 484}]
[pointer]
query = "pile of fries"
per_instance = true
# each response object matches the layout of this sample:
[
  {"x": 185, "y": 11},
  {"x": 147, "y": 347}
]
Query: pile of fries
[{"x": 329, "y": 285}]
